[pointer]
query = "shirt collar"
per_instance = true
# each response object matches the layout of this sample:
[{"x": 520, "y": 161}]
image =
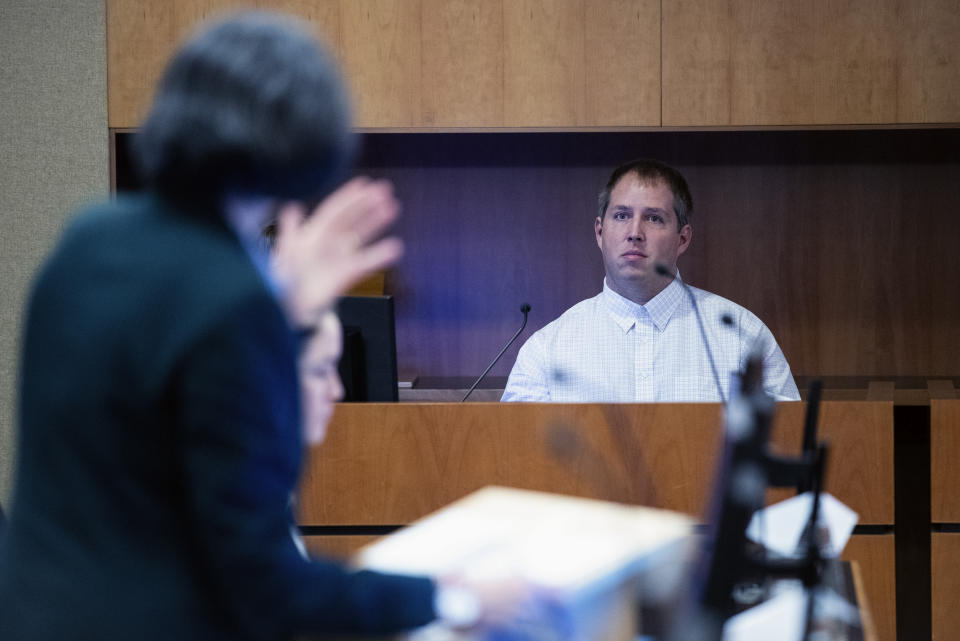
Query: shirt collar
[{"x": 658, "y": 309}]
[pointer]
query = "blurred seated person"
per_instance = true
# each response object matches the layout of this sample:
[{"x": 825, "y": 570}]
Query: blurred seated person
[{"x": 160, "y": 432}]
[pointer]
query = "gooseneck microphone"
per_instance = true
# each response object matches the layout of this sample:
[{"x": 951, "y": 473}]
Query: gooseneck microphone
[
  {"x": 525, "y": 309},
  {"x": 663, "y": 271}
]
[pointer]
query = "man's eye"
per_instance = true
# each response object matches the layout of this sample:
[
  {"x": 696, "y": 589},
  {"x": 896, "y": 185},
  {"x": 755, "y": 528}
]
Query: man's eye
[{"x": 620, "y": 215}]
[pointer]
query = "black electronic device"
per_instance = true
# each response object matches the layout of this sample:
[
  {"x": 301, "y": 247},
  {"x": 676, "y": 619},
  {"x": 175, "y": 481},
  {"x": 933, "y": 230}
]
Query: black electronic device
[
  {"x": 368, "y": 367},
  {"x": 745, "y": 471}
]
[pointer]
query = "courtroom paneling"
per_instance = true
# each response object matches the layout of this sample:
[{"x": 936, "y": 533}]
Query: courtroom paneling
[
  {"x": 876, "y": 557},
  {"x": 380, "y": 41},
  {"x": 945, "y": 461},
  {"x": 462, "y": 63},
  {"x": 751, "y": 57},
  {"x": 336, "y": 546},
  {"x": 622, "y": 51},
  {"x": 392, "y": 464},
  {"x": 140, "y": 38},
  {"x": 384, "y": 464},
  {"x": 544, "y": 62},
  {"x": 436, "y": 63},
  {"x": 929, "y": 62},
  {"x": 753, "y": 62},
  {"x": 945, "y": 584},
  {"x": 860, "y": 457},
  {"x": 843, "y": 243},
  {"x": 142, "y": 35}
]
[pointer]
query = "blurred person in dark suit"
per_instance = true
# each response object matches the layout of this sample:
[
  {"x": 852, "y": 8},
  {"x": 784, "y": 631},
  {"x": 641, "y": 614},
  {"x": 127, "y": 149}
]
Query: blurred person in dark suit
[{"x": 160, "y": 421}]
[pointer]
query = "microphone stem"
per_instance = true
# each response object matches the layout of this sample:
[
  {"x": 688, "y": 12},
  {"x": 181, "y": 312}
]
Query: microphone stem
[
  {"x": 666, "y": 273},
  {"x": 490, "y": 366},
  {"x": 706, "y": 344}
]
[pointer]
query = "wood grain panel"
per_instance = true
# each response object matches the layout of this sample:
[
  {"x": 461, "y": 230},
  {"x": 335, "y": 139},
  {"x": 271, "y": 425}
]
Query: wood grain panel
[
  {"x": 860, "y": 461},
  {"x": 323, "y": 16},
  {"x": 544, "y": 63},
  {"x": 945, "y": 461},
  {"x": 756, "y": 62},
  {"x": 843, "y": 243},
  {"x": 697, "y": 55},
  {"x": 945, "y": 584},
  {"x": 737, "y": 62},
  {"x": 140, "y": 38},
  {"x": 856, "y": 72},
  {"x": 772, "y": 65},
  {"x": 834, "y": 286},
  {"x": 142, "y": 35},
  {"x": 622, "y": 51},
  {"x": 386, "y": 464},
  {"x": 929, "y": 87},
  {"x": 380, "y": 49},
  {"x": 462, "y": 63},
  {"x": 337, "y": 546},
  {"x": 876, "y": 556}
]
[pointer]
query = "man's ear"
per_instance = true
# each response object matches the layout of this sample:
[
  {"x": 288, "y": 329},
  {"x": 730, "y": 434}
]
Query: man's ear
[
  {"x": 686, "y": 235},
  {"x": 597, "y": 228}
]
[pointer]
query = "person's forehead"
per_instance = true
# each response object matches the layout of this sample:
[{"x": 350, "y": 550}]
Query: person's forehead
[{"x": 629, "y": 184}]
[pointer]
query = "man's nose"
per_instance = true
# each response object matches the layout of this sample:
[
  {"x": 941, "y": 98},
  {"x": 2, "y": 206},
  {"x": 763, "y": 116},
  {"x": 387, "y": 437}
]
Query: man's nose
[{"x": 636, "y": 230}]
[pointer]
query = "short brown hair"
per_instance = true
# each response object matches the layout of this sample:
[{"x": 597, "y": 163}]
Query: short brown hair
[{"x": 652, "y": 170}]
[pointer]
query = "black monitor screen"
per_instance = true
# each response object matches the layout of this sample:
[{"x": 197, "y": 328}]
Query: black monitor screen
[{"x": 368, "y": 367}]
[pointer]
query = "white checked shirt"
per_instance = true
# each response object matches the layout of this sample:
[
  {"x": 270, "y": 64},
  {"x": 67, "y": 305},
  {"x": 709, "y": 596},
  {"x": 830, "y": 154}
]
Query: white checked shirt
[{"x": 609, "y": 349}]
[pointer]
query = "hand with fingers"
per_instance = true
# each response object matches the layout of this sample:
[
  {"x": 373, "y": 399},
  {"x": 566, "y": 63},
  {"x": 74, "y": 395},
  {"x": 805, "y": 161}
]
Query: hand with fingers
[{"x": 321, "y": 255}]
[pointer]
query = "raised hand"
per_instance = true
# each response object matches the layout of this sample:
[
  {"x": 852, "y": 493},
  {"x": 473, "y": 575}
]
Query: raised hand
[{"x": 320, "y": 256}]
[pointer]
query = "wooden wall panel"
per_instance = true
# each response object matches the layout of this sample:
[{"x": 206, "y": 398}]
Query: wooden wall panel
[
  {"x": 384, "y": 464},
  {"x": 462, "y": 69},
  {"x": 735, "y": 62},
  {"x": 436, "y": 63},
  {"x": 860, "y": 461},
  {"x": 697, "y": 51},
  {"x": 573, "y": 63},
  {"x": 843, "y": 243},
  {"x": 757, "y": 62},
  {"x": 391, "y": 464},
  {"x": 142, "y": 35},
  {"x": 622, "y": 74},
  {"x": 544, "y": 63},
  {"x": 337, "y": 546},
  {"x": 380, "y": 41},
  {"x": 856, "y": 68},
  {"x": 876, "y": 557},
  {"x": 945, "y": 584},
  {"x": 929, "y": 87},
  {"x": 945, "y": 461}
]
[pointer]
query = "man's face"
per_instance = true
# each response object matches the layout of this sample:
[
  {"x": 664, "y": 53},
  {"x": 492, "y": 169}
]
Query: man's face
[
  {"x": 638, "y": 232},
  {"x": 319, "y": 378}
]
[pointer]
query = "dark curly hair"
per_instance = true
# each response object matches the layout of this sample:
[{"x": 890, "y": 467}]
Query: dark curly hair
[{"x": 252, "y": 105}]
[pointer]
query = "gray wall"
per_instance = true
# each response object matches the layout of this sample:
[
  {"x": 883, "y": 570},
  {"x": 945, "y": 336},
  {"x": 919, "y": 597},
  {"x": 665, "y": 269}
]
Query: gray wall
[{"x": 54, "y": 144}]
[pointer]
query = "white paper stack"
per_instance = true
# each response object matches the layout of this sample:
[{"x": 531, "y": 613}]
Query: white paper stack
[{"x": 590, "y": 556}]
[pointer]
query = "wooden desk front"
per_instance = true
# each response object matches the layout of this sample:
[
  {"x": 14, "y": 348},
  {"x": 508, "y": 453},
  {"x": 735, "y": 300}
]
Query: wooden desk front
[
  {"x": 945, "y": 510},
  {"x": 389, "y": 464}
]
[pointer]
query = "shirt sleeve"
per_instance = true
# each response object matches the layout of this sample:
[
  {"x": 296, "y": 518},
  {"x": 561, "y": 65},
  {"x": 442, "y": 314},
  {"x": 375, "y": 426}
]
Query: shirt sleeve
[
  {"x": 528, "y": 378},
  {"x": 777, "y": 380},
  {"x": 237, "y": 405}
]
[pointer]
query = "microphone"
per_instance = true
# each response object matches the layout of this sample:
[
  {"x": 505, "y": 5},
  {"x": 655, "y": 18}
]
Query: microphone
[
  {"x": 524, "y": 309},
  {"x": 663, "y": 271}
]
